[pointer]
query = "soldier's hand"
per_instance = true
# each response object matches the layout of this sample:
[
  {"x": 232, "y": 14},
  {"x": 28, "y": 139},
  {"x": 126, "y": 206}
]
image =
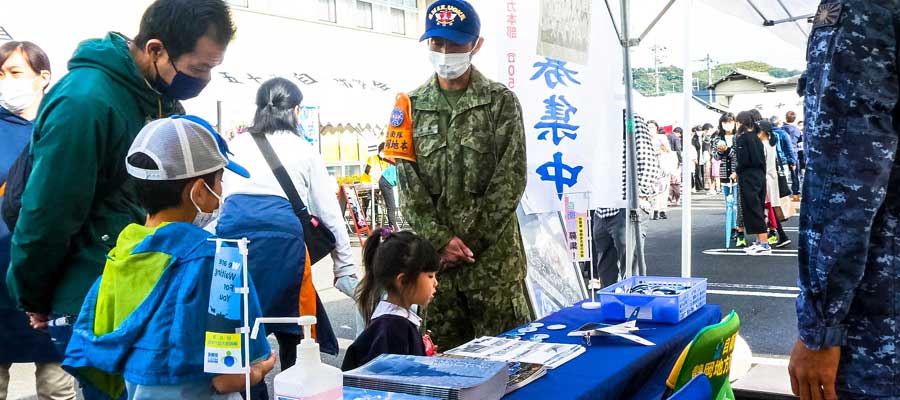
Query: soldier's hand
[
  {"x": 456, "y": 251},
  {"x": 813, "y": 372}
]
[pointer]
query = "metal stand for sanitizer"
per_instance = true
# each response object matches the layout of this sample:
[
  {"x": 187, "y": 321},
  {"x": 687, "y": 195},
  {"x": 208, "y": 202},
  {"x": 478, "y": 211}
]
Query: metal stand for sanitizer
[{"x": 244, "y": 291}]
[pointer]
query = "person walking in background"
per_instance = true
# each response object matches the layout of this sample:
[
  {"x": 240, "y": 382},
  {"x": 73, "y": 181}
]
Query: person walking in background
[
  {"x": 751, "y": 177},
  {"x": 668, "y": 162},
  {"x": 795, "y": 131},
  {"x": 769, "y": 138},
  {"x": 706, "y": 155},
  {"x": 24, "y": 76},
  {"x": 725, "y": 153},
  {"x": 699, "y": 164}
]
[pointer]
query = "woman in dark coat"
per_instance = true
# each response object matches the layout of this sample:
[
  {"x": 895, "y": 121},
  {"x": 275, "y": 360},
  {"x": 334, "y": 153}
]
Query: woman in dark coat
[
  {"x": 751, "y": 174},
  {"x": 24, "y": 75}
]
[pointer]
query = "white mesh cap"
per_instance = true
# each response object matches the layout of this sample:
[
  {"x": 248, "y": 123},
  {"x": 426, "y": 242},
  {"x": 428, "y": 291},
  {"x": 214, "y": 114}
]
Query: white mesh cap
[{"x": 182, "y": 146}]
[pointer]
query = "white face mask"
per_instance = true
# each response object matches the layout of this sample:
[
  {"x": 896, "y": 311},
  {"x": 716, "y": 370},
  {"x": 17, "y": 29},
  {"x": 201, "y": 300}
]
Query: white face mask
[
  {"x": 205, "y": 218},
  {"x": 728, "y": 127},
  {"x": 451, "y": 65},
  {"x": 16, "y": 94}
]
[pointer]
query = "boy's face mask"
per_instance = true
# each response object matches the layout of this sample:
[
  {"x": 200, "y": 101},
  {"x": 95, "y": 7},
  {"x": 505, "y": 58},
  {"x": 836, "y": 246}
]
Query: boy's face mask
[{"x": 202, "y": 219}]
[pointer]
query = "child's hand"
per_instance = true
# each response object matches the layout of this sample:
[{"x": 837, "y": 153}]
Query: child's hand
[{"x": 259, "y": 370}]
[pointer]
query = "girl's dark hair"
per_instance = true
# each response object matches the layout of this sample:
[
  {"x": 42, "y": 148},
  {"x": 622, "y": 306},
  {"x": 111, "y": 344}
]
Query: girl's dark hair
[
  {"x": 727, "y": 117},
  {"x": 34, "y": 55},
  {"x": 747, "y": 121},
  {"x": 757, "y": 116},
  {"x": 387, "y": 255},
  {"x": 156, "y": 196},
  {"x": 275, "y": 103}
]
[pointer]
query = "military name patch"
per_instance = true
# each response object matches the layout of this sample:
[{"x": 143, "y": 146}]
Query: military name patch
[
  {"x": 396, "y": 117},
  {"x": 828, "y": 15}
]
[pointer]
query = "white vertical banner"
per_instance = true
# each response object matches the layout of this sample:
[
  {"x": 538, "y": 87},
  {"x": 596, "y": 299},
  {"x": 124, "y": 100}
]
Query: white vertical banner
[{"x": 563, "y": 60}]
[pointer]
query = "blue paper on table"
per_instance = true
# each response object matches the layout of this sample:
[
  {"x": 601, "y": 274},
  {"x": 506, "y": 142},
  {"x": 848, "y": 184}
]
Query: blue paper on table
[
  {"x": 352, "y": 393},
  {"x": 444, "y": 378}
]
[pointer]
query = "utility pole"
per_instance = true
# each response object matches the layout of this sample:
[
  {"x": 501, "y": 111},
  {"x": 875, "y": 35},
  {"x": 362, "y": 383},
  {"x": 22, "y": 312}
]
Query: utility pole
[
  {"x": 708, "y": 61},
  {"x": 657, "y": 59}
]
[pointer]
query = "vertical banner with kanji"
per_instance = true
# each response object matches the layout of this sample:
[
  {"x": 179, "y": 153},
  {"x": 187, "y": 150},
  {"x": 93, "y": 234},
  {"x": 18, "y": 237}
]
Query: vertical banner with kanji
[{"x": 564, "y": 61}]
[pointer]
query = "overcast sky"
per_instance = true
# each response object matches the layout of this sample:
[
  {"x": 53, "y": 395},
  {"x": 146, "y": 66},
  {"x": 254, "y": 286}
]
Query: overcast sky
[{"x": 726, "y": 38}]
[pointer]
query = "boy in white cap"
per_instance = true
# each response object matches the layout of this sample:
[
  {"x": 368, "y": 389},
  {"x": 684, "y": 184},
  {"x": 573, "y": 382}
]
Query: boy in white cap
[{"x": 141, "y": 328}]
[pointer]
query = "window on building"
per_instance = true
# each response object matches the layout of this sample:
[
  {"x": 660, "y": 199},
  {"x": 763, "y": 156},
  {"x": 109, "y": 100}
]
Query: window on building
[
  {"x": 364, "y": 14},
  {"x": 327, "y": 11},
  {"x": 398, "y": 21}
]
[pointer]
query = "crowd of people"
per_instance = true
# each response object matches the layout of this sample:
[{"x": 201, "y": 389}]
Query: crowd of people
[
  {"x": 758, "y": 161},
  {"x": 111, "y": 195}
]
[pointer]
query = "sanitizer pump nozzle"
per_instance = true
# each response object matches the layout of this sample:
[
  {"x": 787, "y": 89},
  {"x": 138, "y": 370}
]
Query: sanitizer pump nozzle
[{"x": 308, "y": 378}]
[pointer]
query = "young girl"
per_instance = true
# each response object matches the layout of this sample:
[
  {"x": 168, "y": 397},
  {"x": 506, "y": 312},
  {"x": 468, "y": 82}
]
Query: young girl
[{"x": 403, "y": 266}]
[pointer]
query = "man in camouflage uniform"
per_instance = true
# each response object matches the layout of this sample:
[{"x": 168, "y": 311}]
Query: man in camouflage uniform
[
  {"x": 463, "y": 191},
  {"x": 849, "y": 302}
]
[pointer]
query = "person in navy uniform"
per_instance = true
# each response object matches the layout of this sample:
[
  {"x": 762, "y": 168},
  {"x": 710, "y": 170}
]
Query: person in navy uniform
[{"x": 849, "y": 279}]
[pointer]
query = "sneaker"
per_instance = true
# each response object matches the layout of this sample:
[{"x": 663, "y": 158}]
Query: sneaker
[
  {"x": 740, "y": 241},
  {"x": 662, "y": 215},
  {"x": 773, "y": 237},
  {"x": 783, "y": 242},
  {"x": 759, "y": 249}
]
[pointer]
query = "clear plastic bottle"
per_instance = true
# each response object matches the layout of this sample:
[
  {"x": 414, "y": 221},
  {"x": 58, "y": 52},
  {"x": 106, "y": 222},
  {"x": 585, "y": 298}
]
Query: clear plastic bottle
[{"x": 309, "y": 378}]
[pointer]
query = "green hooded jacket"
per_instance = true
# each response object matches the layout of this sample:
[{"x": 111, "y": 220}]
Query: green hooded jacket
[{"x": 79, "y": 196}]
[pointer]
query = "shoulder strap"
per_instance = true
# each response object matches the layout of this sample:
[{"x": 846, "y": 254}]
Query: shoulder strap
[{"x": 284, "y": 180}]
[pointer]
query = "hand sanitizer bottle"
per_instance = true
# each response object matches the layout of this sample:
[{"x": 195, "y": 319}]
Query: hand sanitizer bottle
[{"x": 309, "y": 378}]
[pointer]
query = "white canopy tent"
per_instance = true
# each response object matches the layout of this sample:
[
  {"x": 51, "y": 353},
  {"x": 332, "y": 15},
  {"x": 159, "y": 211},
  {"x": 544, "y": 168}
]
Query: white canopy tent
[{"x": 789, "y": 20}]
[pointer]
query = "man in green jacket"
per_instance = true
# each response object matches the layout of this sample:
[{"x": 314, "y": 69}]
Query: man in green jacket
[
  {"x": 78, "y": 196},
  {"x": 463, "y": 191}
]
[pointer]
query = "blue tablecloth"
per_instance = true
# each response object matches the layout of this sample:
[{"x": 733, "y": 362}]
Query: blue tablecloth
[{"x": 614, "y": 368}]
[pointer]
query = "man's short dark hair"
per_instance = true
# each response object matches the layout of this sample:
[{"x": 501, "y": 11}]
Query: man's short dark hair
[
  {"x": 156, "y": 196},
  {"x": 707, "y": 126},
  {"x": 790, "y": 117},
  {"x": 179, "y": 24}
]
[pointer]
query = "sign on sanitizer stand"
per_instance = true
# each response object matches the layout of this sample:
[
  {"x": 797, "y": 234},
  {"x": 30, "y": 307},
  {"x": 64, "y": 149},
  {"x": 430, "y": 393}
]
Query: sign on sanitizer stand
[{"x": 227, "y": 336}]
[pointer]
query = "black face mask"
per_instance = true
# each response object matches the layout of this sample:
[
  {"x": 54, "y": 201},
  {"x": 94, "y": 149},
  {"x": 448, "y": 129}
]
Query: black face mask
[{"x": 183, "y": 86}]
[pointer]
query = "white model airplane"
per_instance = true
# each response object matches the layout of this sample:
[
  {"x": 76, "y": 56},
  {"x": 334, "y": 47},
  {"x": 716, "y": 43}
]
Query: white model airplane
[{"x": 624, "y": 330}]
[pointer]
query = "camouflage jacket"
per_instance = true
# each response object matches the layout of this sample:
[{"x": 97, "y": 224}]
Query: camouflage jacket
[{"x": 469, "y": 178}]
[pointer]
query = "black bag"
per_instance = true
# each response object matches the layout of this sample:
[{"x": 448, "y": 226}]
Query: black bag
[
  {"x": 783, "y": 188},
  {"x": 15, "y": 185},
  {"x": 320, "y": 241}
]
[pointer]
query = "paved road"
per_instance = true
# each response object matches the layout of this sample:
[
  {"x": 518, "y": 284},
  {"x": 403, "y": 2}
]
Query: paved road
[{"x": 762, "y": 289}]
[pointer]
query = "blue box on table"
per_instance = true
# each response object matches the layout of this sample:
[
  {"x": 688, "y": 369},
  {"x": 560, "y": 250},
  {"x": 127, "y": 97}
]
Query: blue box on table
[{"x": 660, "y": 308}]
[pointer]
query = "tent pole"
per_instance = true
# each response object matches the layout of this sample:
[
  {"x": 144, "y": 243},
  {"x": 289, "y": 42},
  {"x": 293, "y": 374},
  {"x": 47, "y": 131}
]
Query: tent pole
[
  {"x": 688, "y": 140},
  {"x": 633, "y": 227}
]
